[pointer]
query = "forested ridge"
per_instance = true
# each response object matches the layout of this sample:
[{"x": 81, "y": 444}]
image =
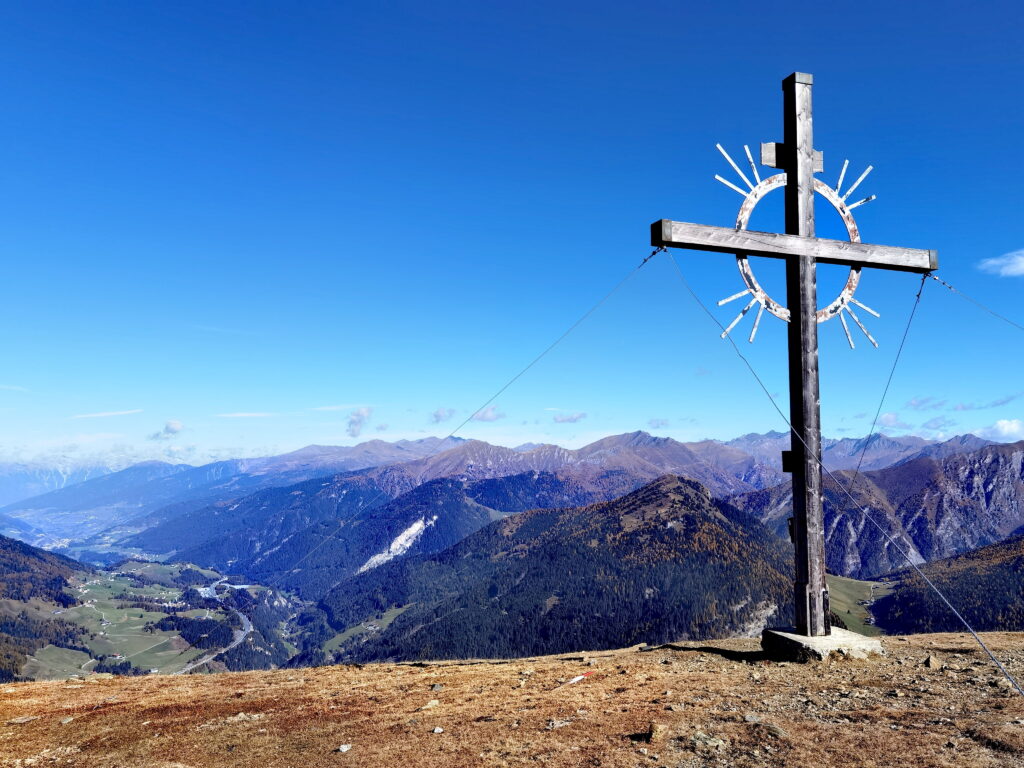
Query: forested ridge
[
  {"x": 664, "y": 562},
  {"x": 27, "y": 574},
  {"x": 986, "y": 586}
]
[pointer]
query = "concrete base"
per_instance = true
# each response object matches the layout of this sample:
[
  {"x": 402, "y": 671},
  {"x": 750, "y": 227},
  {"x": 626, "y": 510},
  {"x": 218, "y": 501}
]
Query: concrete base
[{"x": 785, "y": 645}]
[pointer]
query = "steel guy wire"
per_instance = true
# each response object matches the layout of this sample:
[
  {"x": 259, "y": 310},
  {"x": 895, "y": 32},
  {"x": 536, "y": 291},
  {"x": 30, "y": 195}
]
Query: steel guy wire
[
  {"x": 486, "y": 403},
  {"x": 888, "y": 383},
  {"x": 977, "y": 303},
  {"x": 863, "y": 509}
]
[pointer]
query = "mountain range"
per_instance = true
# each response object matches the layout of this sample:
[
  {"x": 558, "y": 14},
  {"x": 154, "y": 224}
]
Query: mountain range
[
  {"x": 20, "y": 480},
  {"x": 878, "y": 450},
  {"x": 252, "y": 515},
  {"x": 664, "y": 562},
  {"x": 110, "y": 507},
  {"x": 424, "y": 520}
]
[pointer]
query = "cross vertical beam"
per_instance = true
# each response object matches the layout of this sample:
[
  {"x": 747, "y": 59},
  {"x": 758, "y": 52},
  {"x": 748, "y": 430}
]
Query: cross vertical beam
[
  {"x": 802, "y": 251},
  {"x": 797, "y": 159}
]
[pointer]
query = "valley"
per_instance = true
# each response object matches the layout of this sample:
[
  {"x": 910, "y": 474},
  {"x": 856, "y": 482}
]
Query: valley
[
  {"x": 435, "y": 549},
  {"x": 152, "y": 618}
]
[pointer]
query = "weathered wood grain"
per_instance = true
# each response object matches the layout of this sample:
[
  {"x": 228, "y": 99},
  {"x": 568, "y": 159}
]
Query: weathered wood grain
[{"x": 700, "y": 237}]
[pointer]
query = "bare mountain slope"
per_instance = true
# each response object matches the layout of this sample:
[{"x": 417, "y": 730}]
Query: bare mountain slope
[{"x": 934, "y": 508}]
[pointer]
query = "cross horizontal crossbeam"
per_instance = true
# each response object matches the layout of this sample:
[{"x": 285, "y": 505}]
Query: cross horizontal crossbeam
[{"x": 699, "y": 237}]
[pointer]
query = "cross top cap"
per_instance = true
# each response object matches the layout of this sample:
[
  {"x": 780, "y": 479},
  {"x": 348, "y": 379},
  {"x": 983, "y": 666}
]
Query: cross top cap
[{"x": 801, "y": 78}]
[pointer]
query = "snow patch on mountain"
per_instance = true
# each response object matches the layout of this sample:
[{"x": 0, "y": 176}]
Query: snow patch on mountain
[{"x": 402, "y": 543}]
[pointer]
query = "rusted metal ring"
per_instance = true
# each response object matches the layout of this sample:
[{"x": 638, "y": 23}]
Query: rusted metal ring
[{"x": 756, "y": 291}]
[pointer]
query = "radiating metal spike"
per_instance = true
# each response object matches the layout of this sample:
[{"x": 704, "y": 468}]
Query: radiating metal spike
[
  {"x": 861, "y": 325},
  {"x": 739, "y": 317},
  {"x": 734, "y": 166},
  {"x": 735, "y": 296},
  {"x": 867, "y": 199},
  {"x": 865, "y": 307},
  {"x": 857, "y": 182},
  {"x": 842, "y": 175},
  {"x": 753, "y": 165},
  {"x": 846, "y": 328},
  {"x": 757, "y": 322},
  {"x": 730, "y": 185}
]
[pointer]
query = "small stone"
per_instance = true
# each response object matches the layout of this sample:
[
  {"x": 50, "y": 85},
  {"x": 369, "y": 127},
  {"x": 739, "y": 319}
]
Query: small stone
[
  {"x": 932, "y": 663},
  {"x": 704, "y": 742},
  {"x": 553, "y": 724},
  {"x": 242, "y": 717},
  {"x": 438, "y": 729},
  {"x": 436, "y": 687},
  {"x": 656, "y": 732},
  {"x": 675, "y": 707},
  {"x": 344, "y": 748},
  {"x": 22, "y": 720},
  {"x": 66, "y": 720},
  {"x": 777, "y": 731},
  {"x": 430, "y": 704},
  {"x": 750, "y": 717}
]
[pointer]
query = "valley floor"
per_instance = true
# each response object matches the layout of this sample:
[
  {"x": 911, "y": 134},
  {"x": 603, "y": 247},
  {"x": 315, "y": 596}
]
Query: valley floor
[{"x": 716, "y": 703}]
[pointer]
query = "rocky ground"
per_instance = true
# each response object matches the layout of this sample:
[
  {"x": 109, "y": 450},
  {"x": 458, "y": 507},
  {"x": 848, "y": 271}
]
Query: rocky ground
[{"x": 935, "y": 700}]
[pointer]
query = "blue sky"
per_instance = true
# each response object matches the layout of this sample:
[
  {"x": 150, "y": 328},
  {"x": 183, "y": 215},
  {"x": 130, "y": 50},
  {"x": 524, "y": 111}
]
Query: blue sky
[{"x": 238, "y": 228}]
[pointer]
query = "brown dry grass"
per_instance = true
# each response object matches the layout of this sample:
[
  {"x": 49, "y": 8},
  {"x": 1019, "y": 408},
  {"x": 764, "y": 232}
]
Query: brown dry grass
[{"x": 888, "y": 712}]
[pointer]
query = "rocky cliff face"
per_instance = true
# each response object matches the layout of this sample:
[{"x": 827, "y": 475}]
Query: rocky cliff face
[{"x": 932, "y": 508}]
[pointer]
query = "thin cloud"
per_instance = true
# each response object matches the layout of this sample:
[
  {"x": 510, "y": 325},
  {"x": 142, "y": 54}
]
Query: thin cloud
[
  {"x": 568, "y": 418},
  {"x": 245, "y": 415},
  {"x": 657, "y": 423},
  {"x": 442, "y": 414},
  {"x": 334, "y": 407},
  {"x": 924, "y": 404},
  {"x": 105, "y": 414},
  {"x": 1008, "y": 265},
  {"x": 357, "y": 420},
  {"x": 382, "y": 427},
  {"x": 994, "y": 404},
  {"x": 490, "y": 413},
  {"x": 939, "y": 424},
  {"x": 13, "y": 388},
  {"x": 170, "y": 430},
  {"x": 892, "y": 421}
]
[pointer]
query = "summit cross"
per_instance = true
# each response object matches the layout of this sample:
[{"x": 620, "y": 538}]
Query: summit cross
[{"x": 802, "y": 251}]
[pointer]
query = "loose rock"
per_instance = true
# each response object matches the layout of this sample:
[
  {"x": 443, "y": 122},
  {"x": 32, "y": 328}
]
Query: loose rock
[{"x": 657, "y": 732}]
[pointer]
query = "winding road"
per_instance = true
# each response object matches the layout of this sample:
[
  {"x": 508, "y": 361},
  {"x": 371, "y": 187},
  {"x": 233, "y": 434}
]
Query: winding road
[{"x": 240, "y": 635}]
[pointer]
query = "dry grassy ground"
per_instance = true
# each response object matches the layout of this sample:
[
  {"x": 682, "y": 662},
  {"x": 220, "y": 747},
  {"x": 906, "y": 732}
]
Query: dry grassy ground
[{"x": 696, "y": 704}]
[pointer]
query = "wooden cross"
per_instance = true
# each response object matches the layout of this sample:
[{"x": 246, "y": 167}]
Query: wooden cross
[{"x": 802, "y": 251}]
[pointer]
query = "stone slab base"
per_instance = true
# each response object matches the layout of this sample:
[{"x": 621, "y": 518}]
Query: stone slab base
[{"x": 786, "y": 645}]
